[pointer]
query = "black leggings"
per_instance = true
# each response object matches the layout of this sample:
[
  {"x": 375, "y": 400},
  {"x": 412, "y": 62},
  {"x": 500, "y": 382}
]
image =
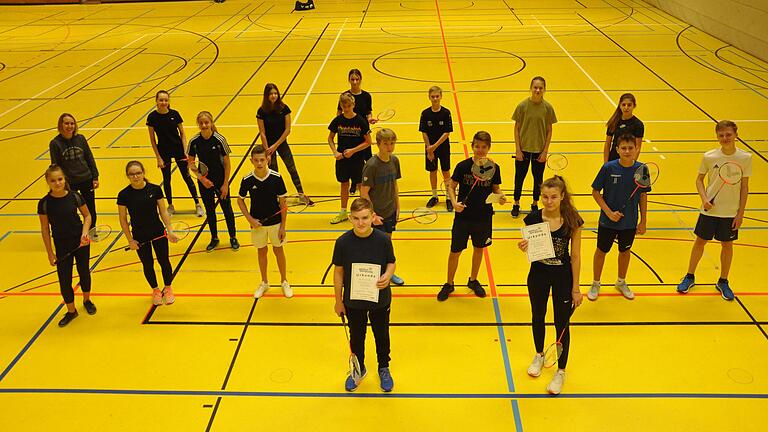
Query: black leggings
[
  {"x": 521, "y": 170},
  {"x": 358, "y": 320},
  {"x": 184, "y": 170},
  {"x": 209, "y": 201},
  {"x": 64, "y": 267},
  {"x": 560, "y": 279},
  {"x": 285, "y": 154},
  {"x": 161, "y": 250},
  {"x": 86, "y": 191}
]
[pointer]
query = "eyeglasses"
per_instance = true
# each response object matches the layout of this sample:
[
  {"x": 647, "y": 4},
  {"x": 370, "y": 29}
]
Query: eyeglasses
[{"x": 135, "y": 174}]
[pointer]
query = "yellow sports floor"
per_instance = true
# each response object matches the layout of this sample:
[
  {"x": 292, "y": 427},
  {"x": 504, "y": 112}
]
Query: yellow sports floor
[{"x": 219, "y": 360}]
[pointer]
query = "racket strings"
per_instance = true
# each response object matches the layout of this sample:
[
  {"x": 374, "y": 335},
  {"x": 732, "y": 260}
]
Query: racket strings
[
  {"x": 99, "y": 233},
  {"x": 424, "y": 215},
  {"x": 730, "y": 173},
  {"x": 385, "y": 115},
  {"x": 557, "y": 162}
]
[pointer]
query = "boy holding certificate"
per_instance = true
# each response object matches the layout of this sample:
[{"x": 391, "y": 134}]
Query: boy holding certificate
[{"x": 364, "y": 262}]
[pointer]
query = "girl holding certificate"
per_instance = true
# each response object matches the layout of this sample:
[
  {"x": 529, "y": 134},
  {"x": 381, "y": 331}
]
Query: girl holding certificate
[{"x": 560, "y": 273}]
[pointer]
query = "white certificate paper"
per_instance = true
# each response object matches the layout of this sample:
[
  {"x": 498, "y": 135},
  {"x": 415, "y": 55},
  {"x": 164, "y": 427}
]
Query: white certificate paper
[
  {"x": 539, "y": 241},
  {"x": 494, "y": 198},
  {"x": 363, "y": 282}
]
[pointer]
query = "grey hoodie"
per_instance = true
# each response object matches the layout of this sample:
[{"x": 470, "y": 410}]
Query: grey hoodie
[{"x": 75, "y": 158}]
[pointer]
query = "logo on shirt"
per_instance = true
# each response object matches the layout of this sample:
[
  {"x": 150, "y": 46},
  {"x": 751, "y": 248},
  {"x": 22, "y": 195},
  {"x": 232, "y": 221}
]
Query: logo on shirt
[
  {"x": 441, "y": 123},
  {"x": 429, "y": 123},
  {"x": 616, "y": 178}
]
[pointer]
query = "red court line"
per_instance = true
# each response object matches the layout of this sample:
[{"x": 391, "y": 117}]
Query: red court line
[{"x": 453, "y": 82}]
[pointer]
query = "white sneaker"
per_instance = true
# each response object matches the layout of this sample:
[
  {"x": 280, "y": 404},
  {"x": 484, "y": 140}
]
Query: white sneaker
[
  {"x": 625, "y": 291},
  {"x": 556, "y": 385},
  {"x": 534, "y": 369},
  {"x": 199, "y": 210},
  {"x": 594, "y": 291},
  {"x": 263, "y": 287},
  {"x": 171, "y": 209},
  {"x": 287, "y": 290}
]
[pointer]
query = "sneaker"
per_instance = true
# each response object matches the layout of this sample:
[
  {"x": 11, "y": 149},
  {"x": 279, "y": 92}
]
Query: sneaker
[
  {"x": 199, "y": 211},
  {"x": 387, "y": 383},
  {"x": 445, "y": 291},
  {"x": 89, "y": 307},
  {"x": 168, "y": 296},
  {"x": 287, "y": 290},
  {"x": 594, "y": 291},
  {"x": 625, "y": 291},
  {"x": 475, "y": 286},
  {"x": 534, "y": 208},
  {"x": 157, "y": 297},
  {"x": 69, "y": 316},
  {"x": 353, "y": 189},
  {"x": 350, "y": 385},
  {"x": 397, "y": 280},
  {"x": 516, "y": 211},
  {"x": 686, "y": 284},
  {"x": 306, "y": 200},
  {"x": 534, "y": 369},
  {"x": 263, "y": 287},
  {"x": 725, "y": 289},
  {"x": 339, "y": 218},
  {"x": 556, "y": 385},
  {"x": 432, "y": 202},
  {"x": 212, "y": 245},
  {"x": 234, "y": 244},
  {"x": 171, "y": 209},
  {"x": 449, "y": 205}
]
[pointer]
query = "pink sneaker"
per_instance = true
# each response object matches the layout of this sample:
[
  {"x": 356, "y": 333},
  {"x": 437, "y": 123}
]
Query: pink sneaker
[
  {"x": 168, "y": 296},
  {"x": 157, "y": 297}
]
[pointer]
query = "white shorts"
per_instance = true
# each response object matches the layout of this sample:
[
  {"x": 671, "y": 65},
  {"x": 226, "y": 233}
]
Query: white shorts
[{"x": 260, "y": 235}]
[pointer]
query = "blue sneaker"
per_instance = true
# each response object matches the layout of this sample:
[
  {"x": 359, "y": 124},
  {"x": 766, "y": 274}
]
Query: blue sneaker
[
  {"x": 725, "y": 289},
  {"x": 397, "y": 280},
  {"x": 350, "y": 385},
  {"x": 687, "y": 283},
  {"x": 387, "y": 383}
]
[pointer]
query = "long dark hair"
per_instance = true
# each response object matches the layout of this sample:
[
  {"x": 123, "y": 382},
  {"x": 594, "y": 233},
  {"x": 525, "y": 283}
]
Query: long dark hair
[
  {"x": 571, "y": 218},
  {"x": 613, "y": 122},
  {"x": 266, "y": 104}
]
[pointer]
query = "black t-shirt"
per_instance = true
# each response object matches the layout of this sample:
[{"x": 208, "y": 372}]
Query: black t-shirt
[
  {"x": 62, "y": 214},
  {"x": 274, "y": 122},
  {"x": 350, "y": 133},
  {"x": 374, "y": 249},
  {"x": 142, "y": 207},
  {"x": 435, "y": 124},
  {"x": 363, "y": 103},
  {"x": 560, "y": 239},
  {"x": 632, "y": 126},
  {"x": 476, "y": 209},
  {"x": 166, "y": 128},
  {"x": 264, "y": 193},
  {"x": 211, "y": 152}
]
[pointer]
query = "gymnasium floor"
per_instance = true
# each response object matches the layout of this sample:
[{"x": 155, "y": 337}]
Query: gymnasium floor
[{"x": 219, "y": 360}]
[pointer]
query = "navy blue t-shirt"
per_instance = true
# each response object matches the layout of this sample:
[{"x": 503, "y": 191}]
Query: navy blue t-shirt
[{"x": 617, "y": 183}]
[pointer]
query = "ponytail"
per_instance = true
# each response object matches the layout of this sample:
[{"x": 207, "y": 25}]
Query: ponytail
[{"x": 613, "y": 122}]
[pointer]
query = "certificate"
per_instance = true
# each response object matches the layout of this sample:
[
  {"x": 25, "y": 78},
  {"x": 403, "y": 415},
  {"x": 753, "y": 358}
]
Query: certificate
[
  {"x": 363, "y": 282},
  {"x": 494, "y": 198},
  {"x": 539, "y": 241}
]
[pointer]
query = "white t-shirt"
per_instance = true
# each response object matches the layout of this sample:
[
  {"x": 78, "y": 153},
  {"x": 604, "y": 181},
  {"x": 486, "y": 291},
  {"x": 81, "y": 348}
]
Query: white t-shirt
[{"x": 726, "y": 204}]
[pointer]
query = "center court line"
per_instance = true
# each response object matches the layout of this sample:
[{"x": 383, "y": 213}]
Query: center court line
[{"x": 320, "y": 71}]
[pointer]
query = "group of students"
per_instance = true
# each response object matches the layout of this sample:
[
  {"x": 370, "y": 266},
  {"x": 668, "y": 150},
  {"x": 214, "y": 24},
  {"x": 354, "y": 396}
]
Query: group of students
[{"x": 375, "y": 213}]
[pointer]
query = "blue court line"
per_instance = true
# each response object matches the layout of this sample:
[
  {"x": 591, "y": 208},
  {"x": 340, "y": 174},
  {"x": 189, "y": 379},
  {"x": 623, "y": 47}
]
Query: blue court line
[
  {"x": 5, "y": 235},
  {"x": 507, "y": 365},
  {"x": 51, "y": 317},
  {"x": 231, "y": 393}
]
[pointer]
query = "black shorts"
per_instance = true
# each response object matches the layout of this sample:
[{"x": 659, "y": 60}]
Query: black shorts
[
  {"x": 350, "y": 169},
  {"x": 389, "y": 224},
  {"x": 606, "y": 236},
  {"x": 480, "y": 230},
  {"x": 442, "y": 155},
  {"x": 172, "y": 152},
  {"x": 719, "y": 228}
]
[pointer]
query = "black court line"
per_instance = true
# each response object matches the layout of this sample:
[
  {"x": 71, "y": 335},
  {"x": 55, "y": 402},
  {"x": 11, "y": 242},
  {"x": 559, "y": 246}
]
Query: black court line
[
  {"x": 468, "y": 324},
  {"x": 365, "y": 13},
  {"x": 577, "y": 1},
  {"x": 616, "y": 241},
  {"x": 668, "y": 83},
  {"x": 759, "y": 324}
]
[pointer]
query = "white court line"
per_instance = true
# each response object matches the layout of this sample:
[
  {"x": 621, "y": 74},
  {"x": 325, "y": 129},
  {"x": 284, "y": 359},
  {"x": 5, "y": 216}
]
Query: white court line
[
  {"x": 322, "y": 66},
  {"x": 25, "y": 101},
  {"x": 610, "y": 101}
]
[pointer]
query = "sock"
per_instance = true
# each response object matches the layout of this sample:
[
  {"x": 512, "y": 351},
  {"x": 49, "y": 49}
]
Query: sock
[
  {"x": 434, "y": 193},
  {"x": 343, "y": 211},
  {"x": 620, "y": 281},
  {"x": 689, "y": 275},
  {"x": 596, "y": 282},
  {"x": 722, "y": 280}
]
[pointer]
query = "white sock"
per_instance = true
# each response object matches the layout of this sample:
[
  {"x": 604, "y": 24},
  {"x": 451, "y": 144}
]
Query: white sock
[
  {"x": 597, "y": 282},
  {"x": 620, "y": 281},
  {"x": 343, "y": 211},
  {"x": 434, "y": 193}
]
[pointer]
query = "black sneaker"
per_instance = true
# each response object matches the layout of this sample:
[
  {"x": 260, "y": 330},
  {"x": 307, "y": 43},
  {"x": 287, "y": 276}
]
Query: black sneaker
[
  {"x": 445, "y": 291},
  {"x": 235, "y": 244},
  {"x": 516, "y": 211},
  {"x": 353, "y": 189},
  {"x": 212, "y": 245},
  {"x": 90, "y": 307},
  {"x": 432, "y": 202},
  {"x": 534, "y": 208},
  {"x": 475, "y": 286},
  {"x": 69, "y": 316},
  {"x": 449, "y": 205}
]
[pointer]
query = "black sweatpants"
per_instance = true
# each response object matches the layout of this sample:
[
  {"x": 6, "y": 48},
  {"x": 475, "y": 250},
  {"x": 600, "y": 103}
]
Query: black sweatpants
[
  {"x": 85, "y": 189},
  {"x": 521, "y": 170},
  {"x": 64, "y": 266},
  {"x": 209, "y": 197},
  {"x": 287, "y": 156},
  {"x": 184, "y": 170},
  {"x": 541, "y": 278},
  {"x": 358, "y": 320},
  {"x": 148, "y": 263}
]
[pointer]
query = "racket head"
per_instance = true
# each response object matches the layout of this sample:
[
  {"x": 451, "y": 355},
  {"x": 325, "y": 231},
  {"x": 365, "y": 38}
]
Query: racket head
[
  {"x": 483, "y": 169},
  {"x": 355, "y": 371},
  {"x": 296, "y": 203},
  {"x": 552, "y": 354},
  {"x": 385, "y": 115},
  {"x": 730, "y": 173},
  {"x": 196, "y": 166},
  {"x": 424, "y": 215},
  {"x": 99, "y": 233},
  {"x": 646, "y": 174},
  {"x": 557, "y": 162},
  {"x": 180, "y": 229}
]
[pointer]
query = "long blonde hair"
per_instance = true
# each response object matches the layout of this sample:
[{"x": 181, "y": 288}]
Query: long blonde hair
[
  {"x": 210, "y": 117},
  {"x": 571, "y": 218}
]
